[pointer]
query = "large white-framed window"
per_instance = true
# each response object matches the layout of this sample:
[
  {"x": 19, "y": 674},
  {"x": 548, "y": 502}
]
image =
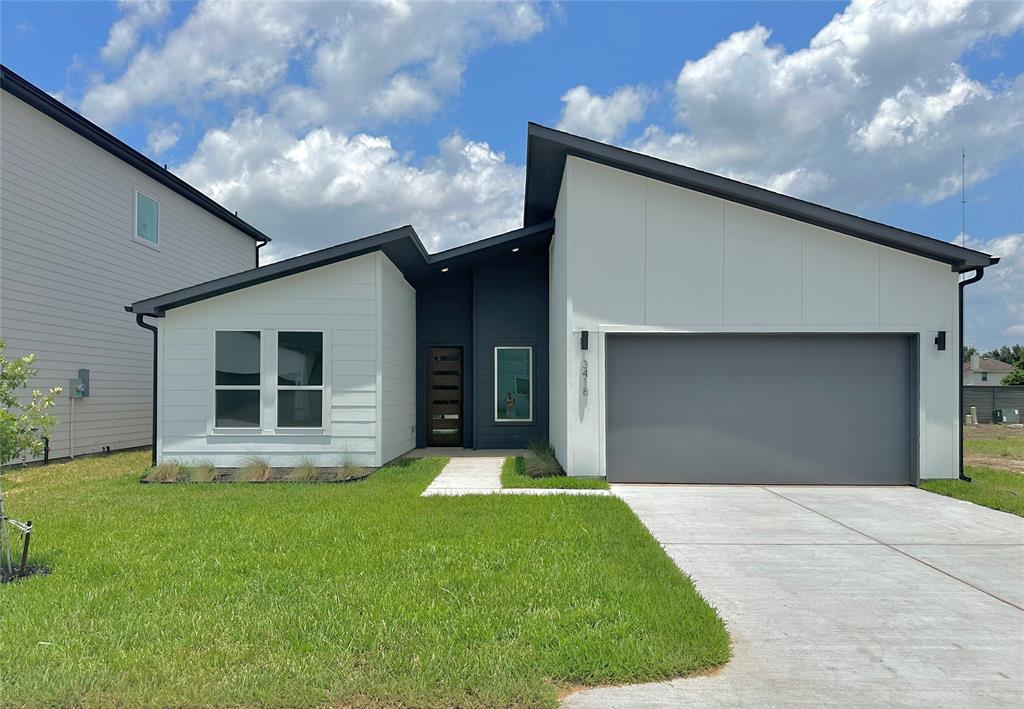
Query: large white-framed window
[
  {"x": 147, "y": 219},
  {"x": 238, "y": 367},
  {"x": 513, "y": 384},
  {"x": 300, "y": 379}
]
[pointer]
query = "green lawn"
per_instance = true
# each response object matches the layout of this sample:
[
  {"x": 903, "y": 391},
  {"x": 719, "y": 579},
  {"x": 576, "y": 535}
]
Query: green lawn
[
  {"x": 355, "y": 594},
  {"x": 995, "y": 441},
  {"x": 513, "y": 474},
  {"x": 991, "y": 487}
]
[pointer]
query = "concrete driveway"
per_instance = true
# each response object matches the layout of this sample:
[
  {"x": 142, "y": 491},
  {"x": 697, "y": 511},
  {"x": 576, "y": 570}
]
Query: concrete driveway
[{"x": 844, "y": 596}]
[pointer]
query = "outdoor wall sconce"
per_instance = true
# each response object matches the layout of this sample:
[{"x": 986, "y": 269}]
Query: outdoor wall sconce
[{"x": 940, "y": 340}]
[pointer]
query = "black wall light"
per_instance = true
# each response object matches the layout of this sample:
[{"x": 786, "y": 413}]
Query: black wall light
[
  {"x": 584, "y": 339},
  {"x": 940, "y": 340}
]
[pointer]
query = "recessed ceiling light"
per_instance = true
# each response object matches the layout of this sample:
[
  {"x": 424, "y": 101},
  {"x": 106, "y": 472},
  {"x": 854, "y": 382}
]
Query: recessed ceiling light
[
  {"x": 515, "y": 249},
  {"x": 444, "y": 270}
]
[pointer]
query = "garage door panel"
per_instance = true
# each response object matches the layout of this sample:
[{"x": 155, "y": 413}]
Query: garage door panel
[{"x": 679, "y": 410}]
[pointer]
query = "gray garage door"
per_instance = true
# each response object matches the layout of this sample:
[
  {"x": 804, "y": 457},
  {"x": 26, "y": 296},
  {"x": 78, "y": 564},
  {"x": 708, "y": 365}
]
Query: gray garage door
[{"x": 830, "y": 409}]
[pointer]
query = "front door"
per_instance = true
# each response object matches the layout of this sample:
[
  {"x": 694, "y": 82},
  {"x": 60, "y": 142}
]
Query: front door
[{"x": 444, "y": 392}]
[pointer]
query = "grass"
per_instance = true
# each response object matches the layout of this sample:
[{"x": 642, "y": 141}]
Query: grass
[
  {"x": 513, "y": 474},
  {"x": 541, "y": 461},
  {"x": 335, "y": 595},
  {"x": 991, "y": 487},
  {"x": 994, "y": 441}
]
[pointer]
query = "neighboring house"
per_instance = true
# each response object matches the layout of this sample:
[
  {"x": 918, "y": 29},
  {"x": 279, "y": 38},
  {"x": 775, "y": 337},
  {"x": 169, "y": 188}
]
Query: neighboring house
[
  {"x": 985, "y": 371},
  {"x": 87, "y": 223},
  {"x": 654, "y": 322}
]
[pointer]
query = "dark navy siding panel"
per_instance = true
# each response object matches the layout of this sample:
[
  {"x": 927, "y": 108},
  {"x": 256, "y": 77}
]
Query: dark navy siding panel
[
  {"x": 511, "y": 309},
  {"x": 444, "y": 317}
]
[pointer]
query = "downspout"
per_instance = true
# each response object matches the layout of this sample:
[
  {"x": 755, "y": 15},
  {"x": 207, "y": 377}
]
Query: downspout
[
  {"x": 152, "y": 328},
  {"x": 978, "y": 275},
  {"x": 259, "y": 246}
]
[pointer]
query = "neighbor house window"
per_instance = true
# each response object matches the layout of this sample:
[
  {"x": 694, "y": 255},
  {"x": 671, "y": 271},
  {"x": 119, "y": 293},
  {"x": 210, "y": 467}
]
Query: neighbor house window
[
  {"x": 237, "y": 379},
  {"x": 300, "y": 379},
  {"x": 513, "y": 383},
  {"x": 984, "y": 376},
  {"x": 147, "y": 219}
]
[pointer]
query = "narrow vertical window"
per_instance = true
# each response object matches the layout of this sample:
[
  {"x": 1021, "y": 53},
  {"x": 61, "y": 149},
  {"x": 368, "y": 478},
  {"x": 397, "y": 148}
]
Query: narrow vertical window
[
  {"x": 147, "y": 219},
  {"x": 513, "y": 384},
  {"x": 300, "y": 379},
  {"x": 237, "y": 379}
]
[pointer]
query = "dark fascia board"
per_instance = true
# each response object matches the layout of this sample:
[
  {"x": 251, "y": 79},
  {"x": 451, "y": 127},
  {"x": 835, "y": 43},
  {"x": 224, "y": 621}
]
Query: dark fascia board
[
  {"x": 547, "y": 149},
  {"x": 38, "y": 99},
  {"x": 401, "y": 245}
]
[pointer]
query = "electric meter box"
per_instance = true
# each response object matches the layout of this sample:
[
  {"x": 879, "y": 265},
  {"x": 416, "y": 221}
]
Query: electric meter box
[{"x": 79, "y": 388}]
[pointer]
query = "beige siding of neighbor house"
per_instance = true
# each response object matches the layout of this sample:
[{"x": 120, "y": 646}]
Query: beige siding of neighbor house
[
  {"x": 365, "y": 309},
  {"x": 69, "y": 264}
]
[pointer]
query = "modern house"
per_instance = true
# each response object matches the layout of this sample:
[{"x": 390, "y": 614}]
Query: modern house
[
  {"x": 86, "y": 224},
  {"x": 654, "y": 322},
  {"x": 985, "y": 371}
]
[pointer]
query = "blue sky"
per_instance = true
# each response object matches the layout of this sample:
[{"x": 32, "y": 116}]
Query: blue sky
[{"x": 324, "y": 122}]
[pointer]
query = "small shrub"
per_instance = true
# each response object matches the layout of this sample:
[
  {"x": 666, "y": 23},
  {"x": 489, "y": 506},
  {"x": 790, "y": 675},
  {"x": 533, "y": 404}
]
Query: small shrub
[
  {"x": 541, "y": 461},
  {"x": 168, "y": 472},
  {"x": 348, "y": 469},
  {"x": 203, "y": 472},
  {"x": 255, "y": 469},
  {"x": 305, "y": 471}
]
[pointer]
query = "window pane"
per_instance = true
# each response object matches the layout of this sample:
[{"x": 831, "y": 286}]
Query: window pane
[
  {"x": 147, "y": 218},
  {"x": 514, "y": 386},
  {"x": 238, "y": 358},
  {"x": 300, "y": 358},
  {"x": 299, "y": 408},
  {"x": 238, "y": 408}
]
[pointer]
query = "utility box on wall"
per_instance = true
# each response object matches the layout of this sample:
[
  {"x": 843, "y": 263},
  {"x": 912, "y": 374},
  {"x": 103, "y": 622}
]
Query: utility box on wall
[{"x": 79, "y": 388}]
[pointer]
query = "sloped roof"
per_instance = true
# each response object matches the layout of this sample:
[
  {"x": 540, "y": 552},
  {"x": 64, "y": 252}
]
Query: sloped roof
[
  {"x": 402, "y": 245},
  {"x": 46, "y": 104},
  {"x": 548, "y": 148},
  {"x": 988, "y": 364}
]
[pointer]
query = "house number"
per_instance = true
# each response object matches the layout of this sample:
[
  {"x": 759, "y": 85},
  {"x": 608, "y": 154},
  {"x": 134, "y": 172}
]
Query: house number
[{"x": 585, "y": 377}]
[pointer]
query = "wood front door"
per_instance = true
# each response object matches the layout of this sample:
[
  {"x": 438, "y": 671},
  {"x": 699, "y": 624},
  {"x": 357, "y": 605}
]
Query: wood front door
[{"x": 444, "y": 391}]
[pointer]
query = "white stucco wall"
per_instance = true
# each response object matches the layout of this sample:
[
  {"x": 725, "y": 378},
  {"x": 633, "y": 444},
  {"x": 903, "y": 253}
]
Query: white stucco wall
[
  {"x": 558, "y": 335},
  {"x": 645, "y": 256},
  {"x": 365, "y": 309},
  {"x": 69, "y": 264}
]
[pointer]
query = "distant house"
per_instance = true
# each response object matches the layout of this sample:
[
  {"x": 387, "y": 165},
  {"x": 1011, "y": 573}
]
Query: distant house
[
  {"x": 985, "y": 371},
  {"x": 88, "y": 223}
]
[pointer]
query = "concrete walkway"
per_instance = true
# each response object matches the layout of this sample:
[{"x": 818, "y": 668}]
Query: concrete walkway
[
  {"x": 854, "y": 597},
  {"x": 481, "y": 475}
]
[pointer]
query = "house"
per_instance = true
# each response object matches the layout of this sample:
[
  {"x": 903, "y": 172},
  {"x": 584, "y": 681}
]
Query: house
[
  {"x": 654, "y": 322},
  {"x": 87, "y": 223},
  {"x": 985, "y": 371}
]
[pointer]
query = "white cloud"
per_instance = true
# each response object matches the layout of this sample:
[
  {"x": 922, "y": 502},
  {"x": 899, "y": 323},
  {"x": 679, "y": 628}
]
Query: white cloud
[
  {"x": 994, "y": 307},
  {"x": 124, "y": 34},
  {"x": 163, "y": 138},
  {"x": 873, "y": 110},
  {"x": 366, "y": 62},
  {"x": 326, "y": 187},
  {"x": 602, "y": 118}
]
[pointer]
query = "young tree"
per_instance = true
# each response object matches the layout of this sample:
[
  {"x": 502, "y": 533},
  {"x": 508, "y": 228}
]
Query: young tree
[{"x": 23, "y": 424}]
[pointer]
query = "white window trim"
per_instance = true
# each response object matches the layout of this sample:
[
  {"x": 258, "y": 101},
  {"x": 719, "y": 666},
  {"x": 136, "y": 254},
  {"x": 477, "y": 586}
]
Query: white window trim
[
  {"x": 212, "y": 425},
  {"x": 322, "y": 388},
  {"x": 135, "y": 220},
  {"x": 495, "y": 377}
]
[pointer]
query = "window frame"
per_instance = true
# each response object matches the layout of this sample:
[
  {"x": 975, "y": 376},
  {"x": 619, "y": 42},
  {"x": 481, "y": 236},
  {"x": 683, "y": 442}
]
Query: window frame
[
  {"x": 322, "y": 387},
  {"x": 494, "y": 411},
  {"x": 236, "y": 387},
  {"x": 984, "y": 376},
  {"x": 135, "y": 219}
]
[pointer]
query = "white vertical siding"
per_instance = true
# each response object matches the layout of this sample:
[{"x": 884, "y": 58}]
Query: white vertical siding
[
  {"x": 367, "y": 311},
  {"x": 397, "y": 403},
  {"x": 69, "y": 264},
  {"x": 645, "y": 256}
]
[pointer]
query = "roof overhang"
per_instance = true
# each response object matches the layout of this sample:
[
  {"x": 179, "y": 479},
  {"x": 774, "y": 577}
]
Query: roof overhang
[
  {"x": 38, "y": 99},
  {"x": 547, "y": 150},
  {"x": 402, "y": 246}
]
